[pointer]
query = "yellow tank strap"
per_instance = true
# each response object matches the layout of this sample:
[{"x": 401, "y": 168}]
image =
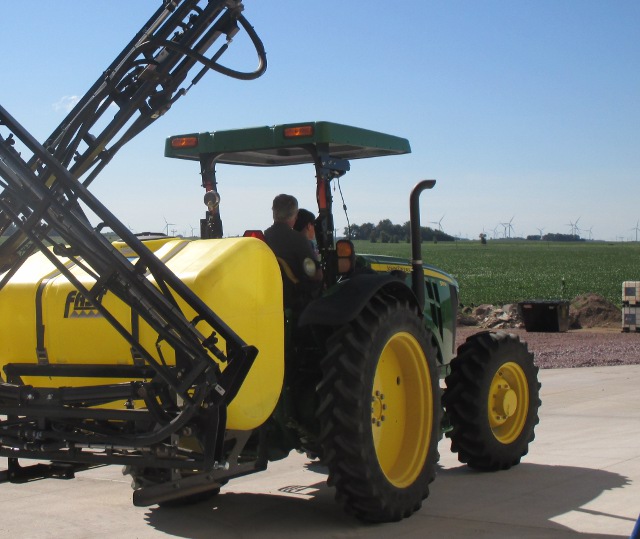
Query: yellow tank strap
[{"x": 287, "y": 270}]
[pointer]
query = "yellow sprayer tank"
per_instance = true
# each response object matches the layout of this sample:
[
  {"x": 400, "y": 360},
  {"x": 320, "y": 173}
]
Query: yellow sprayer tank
[{"x": 44, "y": 319}]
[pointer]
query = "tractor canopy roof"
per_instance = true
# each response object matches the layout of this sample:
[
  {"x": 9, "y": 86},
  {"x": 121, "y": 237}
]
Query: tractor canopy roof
[{"x": 286, "y": 144}]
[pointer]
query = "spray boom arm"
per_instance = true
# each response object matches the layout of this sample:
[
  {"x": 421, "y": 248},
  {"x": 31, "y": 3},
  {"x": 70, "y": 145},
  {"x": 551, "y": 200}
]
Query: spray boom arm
[{"x": 40, "y": 209}]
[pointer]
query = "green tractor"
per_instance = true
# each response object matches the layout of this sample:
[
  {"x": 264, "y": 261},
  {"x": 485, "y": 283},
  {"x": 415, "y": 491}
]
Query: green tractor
[
  {"x": 361, "y": 387},
  {"x": 176, "y": 359},
  {"x": 352, "y": 378}
]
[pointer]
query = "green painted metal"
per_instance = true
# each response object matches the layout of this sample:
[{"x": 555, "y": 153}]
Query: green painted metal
[
  {"x": 441, "y": 299},
  {"x": 269, "y": 146}
]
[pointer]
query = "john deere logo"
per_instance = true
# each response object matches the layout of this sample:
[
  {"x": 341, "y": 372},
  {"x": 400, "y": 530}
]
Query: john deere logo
[{"x": 78, "y": 306}]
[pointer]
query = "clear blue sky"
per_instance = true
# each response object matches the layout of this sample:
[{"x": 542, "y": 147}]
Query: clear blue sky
[{"x": 520, "y": 109}]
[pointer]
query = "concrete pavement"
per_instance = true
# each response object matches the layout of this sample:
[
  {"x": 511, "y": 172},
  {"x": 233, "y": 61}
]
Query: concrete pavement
[{"x": 580, "y": 479}]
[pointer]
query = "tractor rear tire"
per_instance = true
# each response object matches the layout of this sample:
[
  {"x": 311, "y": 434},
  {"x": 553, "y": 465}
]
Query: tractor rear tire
[
  {"x": 492, "y": 401},
  {"x": 380, "y": 411}
]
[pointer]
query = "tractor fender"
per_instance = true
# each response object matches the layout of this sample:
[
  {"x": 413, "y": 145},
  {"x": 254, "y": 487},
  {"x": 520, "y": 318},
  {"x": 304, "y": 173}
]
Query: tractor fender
[{"x": 345, "y": 302}]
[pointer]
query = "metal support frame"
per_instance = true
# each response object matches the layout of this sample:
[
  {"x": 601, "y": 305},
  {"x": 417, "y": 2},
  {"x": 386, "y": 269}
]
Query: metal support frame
[
  {"x": 211, "y": 225},
  {"x": 328, "y": 168}
]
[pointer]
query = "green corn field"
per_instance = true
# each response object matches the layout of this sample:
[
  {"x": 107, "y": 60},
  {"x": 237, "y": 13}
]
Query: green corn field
[{"x": 504, "y": 272}]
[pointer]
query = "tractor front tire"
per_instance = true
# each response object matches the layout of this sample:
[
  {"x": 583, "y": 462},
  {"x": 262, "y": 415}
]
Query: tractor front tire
[
  {"x": 380, "y": 411},
  {"x": 492, "y": 401}
]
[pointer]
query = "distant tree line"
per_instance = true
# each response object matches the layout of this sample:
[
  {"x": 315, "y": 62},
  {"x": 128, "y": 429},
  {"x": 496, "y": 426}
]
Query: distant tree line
[
  {"x": 386, "y": 232},
  {"x": 556, "y": 237}
]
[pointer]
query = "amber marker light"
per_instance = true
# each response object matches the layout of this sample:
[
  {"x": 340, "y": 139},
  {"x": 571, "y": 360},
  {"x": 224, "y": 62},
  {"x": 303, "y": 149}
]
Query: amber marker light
[
  {"x": 298, "y": 131},
  {"x": 184, "y": 142},
  {"x": 344, "y": 248},
  {"x": 346, "y": 256}
]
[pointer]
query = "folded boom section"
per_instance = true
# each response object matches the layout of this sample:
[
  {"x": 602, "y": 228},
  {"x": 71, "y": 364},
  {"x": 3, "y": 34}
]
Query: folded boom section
[{"x": 43, "y": 197}]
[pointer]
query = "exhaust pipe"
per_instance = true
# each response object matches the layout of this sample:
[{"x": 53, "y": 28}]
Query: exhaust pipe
[{"x": 417, "y": 273}]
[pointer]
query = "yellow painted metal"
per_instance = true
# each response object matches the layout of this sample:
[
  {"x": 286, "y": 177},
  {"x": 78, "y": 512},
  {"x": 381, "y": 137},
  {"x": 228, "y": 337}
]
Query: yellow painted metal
[
  {"x": 155, "y": 245},
  {"x": 402, "y": 409},
  {"x": 238, "y": 278},
  {"x": 443, "y": 279},
  {"x": 18, "y": 310},
  {"x": 508, "y": 402}
]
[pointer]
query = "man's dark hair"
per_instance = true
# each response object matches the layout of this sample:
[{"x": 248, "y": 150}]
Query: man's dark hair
[{"x": 304, "y": 218}]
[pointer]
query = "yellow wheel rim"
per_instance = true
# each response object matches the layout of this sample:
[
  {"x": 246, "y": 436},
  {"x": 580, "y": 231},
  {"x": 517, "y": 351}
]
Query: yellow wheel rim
[
  {"x": 402, "y": 410},
  {"x": 508, "y": 402}
]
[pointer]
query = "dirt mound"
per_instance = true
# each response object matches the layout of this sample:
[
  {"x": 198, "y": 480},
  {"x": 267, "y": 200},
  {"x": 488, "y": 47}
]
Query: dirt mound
[
  {"x": 585, "y": 311},
  {"x": 592, "y": 310},
  {"x": 490, "y": 316}
]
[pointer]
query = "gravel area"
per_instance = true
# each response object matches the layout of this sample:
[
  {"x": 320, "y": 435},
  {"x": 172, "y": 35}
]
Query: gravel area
[{"x": 575, "y": 348}]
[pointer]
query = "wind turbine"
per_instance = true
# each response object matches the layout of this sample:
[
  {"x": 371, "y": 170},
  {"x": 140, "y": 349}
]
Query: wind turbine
[
  {"x": 574, "y": 226},
  {"x": 508, "y": 227},
  {"x": 589, "y": 230},
  {"x": 637, "y": 228},
  {"x": 571, "y": 227},
  {"x": 439, "y": 223},
  {"x": 540, "y": 230},
  {"x": 167, "y": 224}
]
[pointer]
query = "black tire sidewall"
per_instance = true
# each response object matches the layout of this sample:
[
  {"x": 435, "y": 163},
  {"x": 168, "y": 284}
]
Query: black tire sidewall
[
  {"x": 467, "y": 395},
  {"x": 378, "y": 499},
  {"x": 510, "y": 351}
]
